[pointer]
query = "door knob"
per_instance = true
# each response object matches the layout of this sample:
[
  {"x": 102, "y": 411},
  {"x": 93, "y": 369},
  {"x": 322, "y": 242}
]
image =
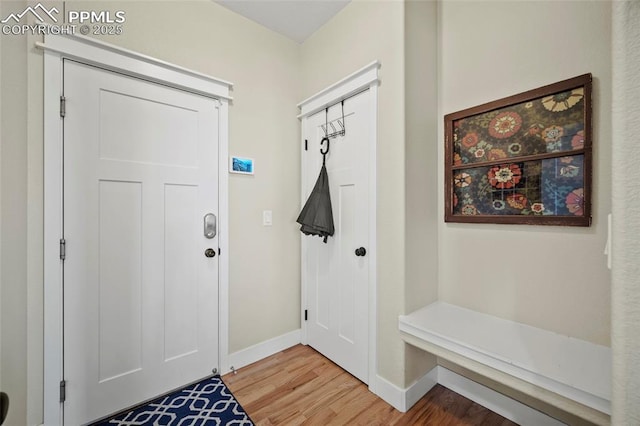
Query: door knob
[
  {"x": 361, "y": 251},
  {"x": 210, "y": 252}
]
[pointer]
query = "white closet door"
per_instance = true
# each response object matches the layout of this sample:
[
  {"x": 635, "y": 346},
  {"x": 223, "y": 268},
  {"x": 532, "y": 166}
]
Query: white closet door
[
  {"x": 336, "y": 279},
  {"x": 140, "y": 297}
]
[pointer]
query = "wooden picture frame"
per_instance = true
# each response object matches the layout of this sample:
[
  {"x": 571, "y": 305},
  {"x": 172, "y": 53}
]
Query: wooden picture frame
[{"x": 524, "y": 159}]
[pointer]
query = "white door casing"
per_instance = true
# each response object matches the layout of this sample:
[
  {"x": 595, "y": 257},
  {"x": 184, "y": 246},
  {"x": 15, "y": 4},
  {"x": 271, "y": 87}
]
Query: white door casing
[
  {"x": 57, "y": 48},
  {"x": 140, "y": 297},
  {"x": 338, "y": 287}
]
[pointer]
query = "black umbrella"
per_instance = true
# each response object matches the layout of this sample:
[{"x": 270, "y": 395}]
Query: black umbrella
[{"x": 316, "y": 216}]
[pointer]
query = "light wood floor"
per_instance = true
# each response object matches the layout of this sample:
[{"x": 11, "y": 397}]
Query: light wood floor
[{"x": 300, "y": 386}]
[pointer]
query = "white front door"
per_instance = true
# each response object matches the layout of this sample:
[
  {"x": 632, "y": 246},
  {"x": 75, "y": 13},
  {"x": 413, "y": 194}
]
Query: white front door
[
  {"x": 140, "y": 296},
  {"x": 336, "y": 278}
]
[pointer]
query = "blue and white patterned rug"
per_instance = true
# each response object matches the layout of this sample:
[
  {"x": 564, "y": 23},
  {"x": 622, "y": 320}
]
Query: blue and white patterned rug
[{"x": 206, "y": 403}]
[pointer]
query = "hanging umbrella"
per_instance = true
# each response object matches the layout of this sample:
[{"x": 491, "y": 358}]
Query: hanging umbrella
[{"x": 316, "y": 216}]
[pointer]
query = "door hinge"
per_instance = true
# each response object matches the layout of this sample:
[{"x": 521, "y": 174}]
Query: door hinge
[
  {"x": 63, "y": 249},
  {"x": 63, "y": 390},
  {"x": 306, "y": 314},
  {"x": 306, "y": 145},
  {"x": 63, "y": 106},
  {"x": 219, "y": 251}
]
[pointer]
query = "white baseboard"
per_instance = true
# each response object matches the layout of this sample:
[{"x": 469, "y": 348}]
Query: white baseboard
[
  {"x": 403, "y": 399},
  {"x": 494, "y": 401},
  {"x": 261, "y": 350},
  {"x": 420, "y": 388},
  {"x": 392, "y": 394}
]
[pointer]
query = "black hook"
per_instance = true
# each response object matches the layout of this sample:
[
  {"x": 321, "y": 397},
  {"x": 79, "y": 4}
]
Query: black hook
[{"x": 326, "y": 151}]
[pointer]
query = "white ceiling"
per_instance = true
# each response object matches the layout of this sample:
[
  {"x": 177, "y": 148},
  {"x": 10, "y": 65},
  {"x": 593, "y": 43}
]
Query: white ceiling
[{"x": 295, "y": 19}]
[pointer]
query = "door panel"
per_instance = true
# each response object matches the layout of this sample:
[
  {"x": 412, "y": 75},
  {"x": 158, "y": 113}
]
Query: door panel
[
  {"x": 120, "y": 278},
  {"x": 140, "y": 297},
  {"x": 159, "y": 127},
  {"x": 180, "y": 270},
  {"x": 336, "y": 279}
]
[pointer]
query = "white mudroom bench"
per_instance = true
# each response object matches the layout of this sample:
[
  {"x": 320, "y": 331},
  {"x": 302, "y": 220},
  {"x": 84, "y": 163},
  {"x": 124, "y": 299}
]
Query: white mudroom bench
[{"x": 570, "y": 374}]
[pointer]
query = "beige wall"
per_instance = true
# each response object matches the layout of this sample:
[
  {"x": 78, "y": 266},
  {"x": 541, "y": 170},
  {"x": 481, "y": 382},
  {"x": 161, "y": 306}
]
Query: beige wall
[
  {"x": 421, "y": 178},
  {"x": 626, "y": 223},
  {"x": 13, "y": 245},
  {"x": 1, "y": 137},
  {"x": 554, "y": 278}
]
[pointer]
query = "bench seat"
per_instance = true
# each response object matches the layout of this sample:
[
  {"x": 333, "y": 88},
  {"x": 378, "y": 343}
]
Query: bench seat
[{"x": 569, "y": 373}]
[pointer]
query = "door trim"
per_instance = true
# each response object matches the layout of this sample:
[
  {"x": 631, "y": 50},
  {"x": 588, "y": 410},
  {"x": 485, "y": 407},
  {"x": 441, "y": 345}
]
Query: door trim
[
  {"x": 366, "y": 78},
  {"x": 93, "y": 52}
]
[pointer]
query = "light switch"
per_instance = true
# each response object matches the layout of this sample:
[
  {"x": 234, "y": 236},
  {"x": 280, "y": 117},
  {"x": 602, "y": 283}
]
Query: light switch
[{"x": 267, "y": 218}]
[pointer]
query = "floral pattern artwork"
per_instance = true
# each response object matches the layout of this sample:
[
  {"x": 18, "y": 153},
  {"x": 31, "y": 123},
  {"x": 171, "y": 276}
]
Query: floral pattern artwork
[
  {"x": 544, "y": 187},
  {"x": 549, "y": 124},
  {"x": 505, "y": 124},
  {"x": 524, "y": 159},
  {"x": 563, "y": 101},
  {"x": 504, "y": 176}
]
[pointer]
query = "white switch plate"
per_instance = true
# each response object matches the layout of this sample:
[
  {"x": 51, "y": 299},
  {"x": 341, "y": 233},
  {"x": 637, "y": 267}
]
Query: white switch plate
[{"x": 267, "y": 218}]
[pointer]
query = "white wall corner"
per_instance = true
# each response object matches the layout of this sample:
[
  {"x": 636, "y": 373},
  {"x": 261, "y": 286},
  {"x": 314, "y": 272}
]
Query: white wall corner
[
  {"x": 403, "y": 399},
  {"x": 420, "y": 388},
  {"x": 261, "y": 350},
  {"x": 392, "y": 394}
]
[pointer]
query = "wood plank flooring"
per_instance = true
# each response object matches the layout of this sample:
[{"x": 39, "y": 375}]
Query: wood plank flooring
[{"x": 301, "y": 387}]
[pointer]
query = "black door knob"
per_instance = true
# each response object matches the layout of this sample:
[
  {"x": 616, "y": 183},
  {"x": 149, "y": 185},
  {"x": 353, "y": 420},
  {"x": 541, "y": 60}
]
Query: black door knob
[
  {"x": 361, "y": 251},
  {"x": 210, "y": 252}
]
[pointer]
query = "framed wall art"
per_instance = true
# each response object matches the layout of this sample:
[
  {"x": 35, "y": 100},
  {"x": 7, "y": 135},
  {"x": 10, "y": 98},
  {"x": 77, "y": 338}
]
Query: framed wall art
[{"x": 524, "y": 159}]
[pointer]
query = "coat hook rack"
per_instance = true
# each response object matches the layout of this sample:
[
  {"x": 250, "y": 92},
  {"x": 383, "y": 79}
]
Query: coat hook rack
[{"x": 335, "y": 131}]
